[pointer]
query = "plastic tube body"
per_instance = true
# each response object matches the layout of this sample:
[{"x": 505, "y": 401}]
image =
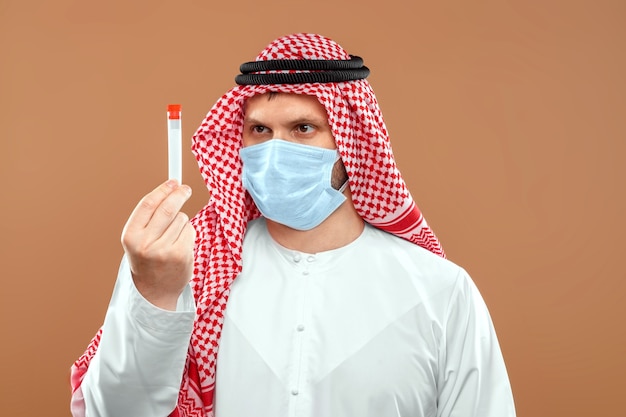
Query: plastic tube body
[{"x": 174, "y": 142}]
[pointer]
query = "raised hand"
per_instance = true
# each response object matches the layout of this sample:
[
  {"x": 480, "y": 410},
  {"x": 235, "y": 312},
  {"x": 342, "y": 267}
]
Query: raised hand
[{"x": 158, "y": 240}]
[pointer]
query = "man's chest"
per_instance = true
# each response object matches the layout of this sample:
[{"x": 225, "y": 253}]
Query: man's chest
[{"x": 316, "y": 345}]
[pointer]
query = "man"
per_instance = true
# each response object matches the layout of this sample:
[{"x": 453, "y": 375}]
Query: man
[{"x": 317, "y": 288}]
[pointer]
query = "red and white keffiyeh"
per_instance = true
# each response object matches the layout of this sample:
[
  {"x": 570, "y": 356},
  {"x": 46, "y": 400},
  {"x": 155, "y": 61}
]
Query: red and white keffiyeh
[{"x": 379, "y": 195}]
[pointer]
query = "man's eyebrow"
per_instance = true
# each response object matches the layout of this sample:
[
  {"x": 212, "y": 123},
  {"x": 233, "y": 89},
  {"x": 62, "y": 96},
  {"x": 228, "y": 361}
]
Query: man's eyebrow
[
  {"x": 251, "y": 120},
  {"x": 296, "y": 121},
  {"x": 309, "y": 119}
]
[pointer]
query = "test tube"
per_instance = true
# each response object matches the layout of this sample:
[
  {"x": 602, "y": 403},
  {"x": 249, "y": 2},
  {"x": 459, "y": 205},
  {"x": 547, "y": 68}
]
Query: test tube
[{"x": 174, "y": 142}]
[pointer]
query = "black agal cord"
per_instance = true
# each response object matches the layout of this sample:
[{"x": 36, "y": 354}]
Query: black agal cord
[{"x": 308, "y": 71}]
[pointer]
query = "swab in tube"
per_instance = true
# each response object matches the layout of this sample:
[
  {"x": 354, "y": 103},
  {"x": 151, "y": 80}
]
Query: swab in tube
[{"x": 174, "y": 142}]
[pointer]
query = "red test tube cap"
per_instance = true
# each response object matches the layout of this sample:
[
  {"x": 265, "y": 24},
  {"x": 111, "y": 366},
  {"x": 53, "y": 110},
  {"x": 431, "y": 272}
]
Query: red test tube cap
[{"x": 173, "y": 111}]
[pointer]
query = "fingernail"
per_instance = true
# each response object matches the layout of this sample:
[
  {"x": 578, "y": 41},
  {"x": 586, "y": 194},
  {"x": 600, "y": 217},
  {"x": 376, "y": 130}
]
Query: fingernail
[
  {"x": 172, "y": 183},
  {"x": 187, "y": 189}
]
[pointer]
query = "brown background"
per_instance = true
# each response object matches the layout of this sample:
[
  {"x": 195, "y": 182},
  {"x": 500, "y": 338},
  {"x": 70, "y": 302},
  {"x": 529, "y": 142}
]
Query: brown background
[{"x": 507, "y": 120}]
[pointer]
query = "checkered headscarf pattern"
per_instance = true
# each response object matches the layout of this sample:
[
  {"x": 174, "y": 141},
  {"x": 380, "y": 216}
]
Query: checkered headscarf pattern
[{"x": 379, "y": 195}]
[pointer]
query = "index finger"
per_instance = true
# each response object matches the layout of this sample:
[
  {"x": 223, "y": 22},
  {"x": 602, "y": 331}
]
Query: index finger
[{"x": 143, "y": 212}]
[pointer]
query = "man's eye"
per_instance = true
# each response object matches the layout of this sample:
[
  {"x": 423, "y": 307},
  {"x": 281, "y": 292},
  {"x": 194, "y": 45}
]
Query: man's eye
[
  {"x": 305, "y": 128},
  {"x": 259, "y": 129}
]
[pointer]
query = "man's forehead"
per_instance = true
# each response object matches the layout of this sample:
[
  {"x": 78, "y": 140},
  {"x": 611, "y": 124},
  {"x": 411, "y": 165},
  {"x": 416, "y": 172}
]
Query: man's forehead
[{"x": 275, "y": 103}]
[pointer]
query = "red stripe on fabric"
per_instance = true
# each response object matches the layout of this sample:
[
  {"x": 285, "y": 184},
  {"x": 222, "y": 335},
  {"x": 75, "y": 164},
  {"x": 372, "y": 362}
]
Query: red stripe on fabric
[
  {"x": 407, "y": 222},
  {"x": 204, "y": 393},
  {"x": 207, "y": 399}
]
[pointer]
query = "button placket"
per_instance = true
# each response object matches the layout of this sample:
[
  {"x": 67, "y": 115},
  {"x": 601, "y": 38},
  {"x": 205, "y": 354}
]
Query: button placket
[
  {"x": 300, "y": 394},
  {"x": 307, "y": 266},
  {"x": 298, "y": 363}
]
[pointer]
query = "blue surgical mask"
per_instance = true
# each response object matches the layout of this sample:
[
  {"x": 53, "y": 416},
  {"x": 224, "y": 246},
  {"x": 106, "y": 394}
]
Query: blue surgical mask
[{"x": 291, "y": 183}]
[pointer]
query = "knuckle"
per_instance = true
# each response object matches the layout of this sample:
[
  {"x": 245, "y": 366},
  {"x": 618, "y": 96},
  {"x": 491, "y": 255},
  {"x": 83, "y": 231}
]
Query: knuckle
[
  {"x": 168, "y": 209},
  {"x": 142, "y": 251},
  {"x": 192, "y": 233},
  {"x": 150, "y": 255},
  {"x": 128, "y": 240},
  {"x": 148, "y": 203},
  {"x": 161, "y": 256},
  {"x": 125, "y": 240}
]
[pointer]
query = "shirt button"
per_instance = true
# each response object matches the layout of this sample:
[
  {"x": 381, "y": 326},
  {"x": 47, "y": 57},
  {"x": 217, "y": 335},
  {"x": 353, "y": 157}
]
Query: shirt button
[
  {"x": 294, "y": 391},
  {"x": 310, "y": 258},
  {"x": 296, "y": 257},
  {"x": 305, "y": 272},
  {"x": 300, "y": 327}
]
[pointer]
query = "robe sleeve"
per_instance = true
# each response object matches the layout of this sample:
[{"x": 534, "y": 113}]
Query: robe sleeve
[
  {"x": 473, "y": 380},
  {"x": 134, "y": 364}
]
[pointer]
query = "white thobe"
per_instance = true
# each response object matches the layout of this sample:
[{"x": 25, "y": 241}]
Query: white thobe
[{"x": 380, "y": 327}]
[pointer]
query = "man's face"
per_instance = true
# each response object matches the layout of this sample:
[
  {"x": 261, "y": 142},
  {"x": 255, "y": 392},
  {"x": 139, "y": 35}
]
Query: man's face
[{"x": 292, "y": 117}]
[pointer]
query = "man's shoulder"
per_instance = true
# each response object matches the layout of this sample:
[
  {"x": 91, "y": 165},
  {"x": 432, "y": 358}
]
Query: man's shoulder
[
  {"x": 407, "y": 256},
  {"x": 382, "y": 240}
]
